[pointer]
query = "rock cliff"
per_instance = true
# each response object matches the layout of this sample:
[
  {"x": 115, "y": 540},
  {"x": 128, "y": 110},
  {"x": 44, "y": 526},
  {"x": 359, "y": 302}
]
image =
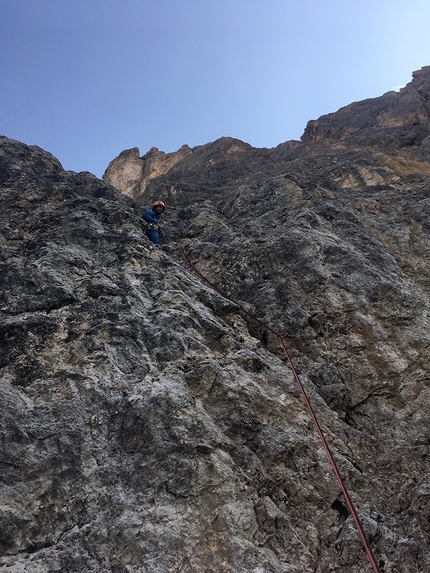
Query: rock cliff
[
  {"x": 148, "y": 426},
  {"x": 131, "y": 173}
]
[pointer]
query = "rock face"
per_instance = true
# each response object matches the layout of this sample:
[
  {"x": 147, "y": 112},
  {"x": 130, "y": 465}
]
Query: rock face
[
  {"x": 147, "y": 426},
  {"x": 131, "y": 173},
  {"x": 392, "y": 121}
]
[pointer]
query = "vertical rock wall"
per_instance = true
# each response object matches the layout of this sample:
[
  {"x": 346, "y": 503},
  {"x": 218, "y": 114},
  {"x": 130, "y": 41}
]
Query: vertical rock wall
[{"x": 147, "y": 426}]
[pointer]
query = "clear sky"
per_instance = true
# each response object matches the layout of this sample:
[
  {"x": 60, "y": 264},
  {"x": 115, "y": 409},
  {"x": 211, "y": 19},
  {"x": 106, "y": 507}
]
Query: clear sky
[{"x": 85, "y": 79}]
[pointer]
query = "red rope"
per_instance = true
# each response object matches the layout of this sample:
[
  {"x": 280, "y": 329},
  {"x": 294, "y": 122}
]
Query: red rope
[
  {"x": 223, "y": 294},
  {"x": 280, "y": 337},
  {"x": 348, "y": 500}
]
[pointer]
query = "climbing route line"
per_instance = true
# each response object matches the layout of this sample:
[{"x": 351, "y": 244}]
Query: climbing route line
[
  {"x": 224, "y": 295},
  {"x": 330, "y": 457}
]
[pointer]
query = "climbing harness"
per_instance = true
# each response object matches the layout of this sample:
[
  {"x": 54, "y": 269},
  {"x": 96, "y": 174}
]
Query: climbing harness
[{"x": 330, "y": 457}]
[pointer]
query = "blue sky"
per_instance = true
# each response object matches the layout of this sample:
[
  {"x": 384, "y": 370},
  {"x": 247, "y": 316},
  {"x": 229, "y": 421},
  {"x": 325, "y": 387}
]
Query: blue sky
[{"x": 85, "y": 79}]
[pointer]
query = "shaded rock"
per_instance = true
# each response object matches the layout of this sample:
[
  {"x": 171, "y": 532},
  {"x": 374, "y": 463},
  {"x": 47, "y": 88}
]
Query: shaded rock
[{"x": 394, "y": 120}]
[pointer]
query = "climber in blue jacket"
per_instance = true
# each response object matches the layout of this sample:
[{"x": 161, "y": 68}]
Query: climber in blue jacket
[{"x": 151, "y": 216}]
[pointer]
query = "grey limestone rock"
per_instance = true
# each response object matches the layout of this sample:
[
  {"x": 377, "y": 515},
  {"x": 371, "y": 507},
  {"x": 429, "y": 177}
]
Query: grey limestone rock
[{"x": 148, "y": 426}]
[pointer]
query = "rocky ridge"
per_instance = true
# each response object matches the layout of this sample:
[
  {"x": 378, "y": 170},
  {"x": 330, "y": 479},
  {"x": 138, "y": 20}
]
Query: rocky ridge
[{"x": 147, "y": 425}]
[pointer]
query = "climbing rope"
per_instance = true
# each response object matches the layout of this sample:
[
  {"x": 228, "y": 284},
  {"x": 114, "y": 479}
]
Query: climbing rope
[
  {"x": 224, "y": 295},
  {"x": 330, "y": 457}
]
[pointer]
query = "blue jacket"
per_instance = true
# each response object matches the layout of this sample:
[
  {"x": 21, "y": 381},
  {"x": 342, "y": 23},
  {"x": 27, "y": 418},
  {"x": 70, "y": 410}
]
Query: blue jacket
[{"x": 150, "y": 216}]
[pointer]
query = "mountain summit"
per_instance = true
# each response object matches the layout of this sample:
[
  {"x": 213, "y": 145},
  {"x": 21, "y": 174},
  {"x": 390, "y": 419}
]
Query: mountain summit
[{"x": 150, "y": 426}]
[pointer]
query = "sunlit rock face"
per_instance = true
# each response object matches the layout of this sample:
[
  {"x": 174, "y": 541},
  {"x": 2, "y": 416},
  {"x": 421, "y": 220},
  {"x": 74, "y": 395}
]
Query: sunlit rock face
[
  {"x": 131, "y": 173},
  {"x": 148, "y": 426}
]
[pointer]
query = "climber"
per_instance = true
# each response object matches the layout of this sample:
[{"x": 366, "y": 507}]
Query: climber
[{"x": 151, "y": 216}]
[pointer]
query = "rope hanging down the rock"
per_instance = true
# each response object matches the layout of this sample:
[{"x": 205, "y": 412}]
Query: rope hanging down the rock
[{"x": 330, "y": 457}]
